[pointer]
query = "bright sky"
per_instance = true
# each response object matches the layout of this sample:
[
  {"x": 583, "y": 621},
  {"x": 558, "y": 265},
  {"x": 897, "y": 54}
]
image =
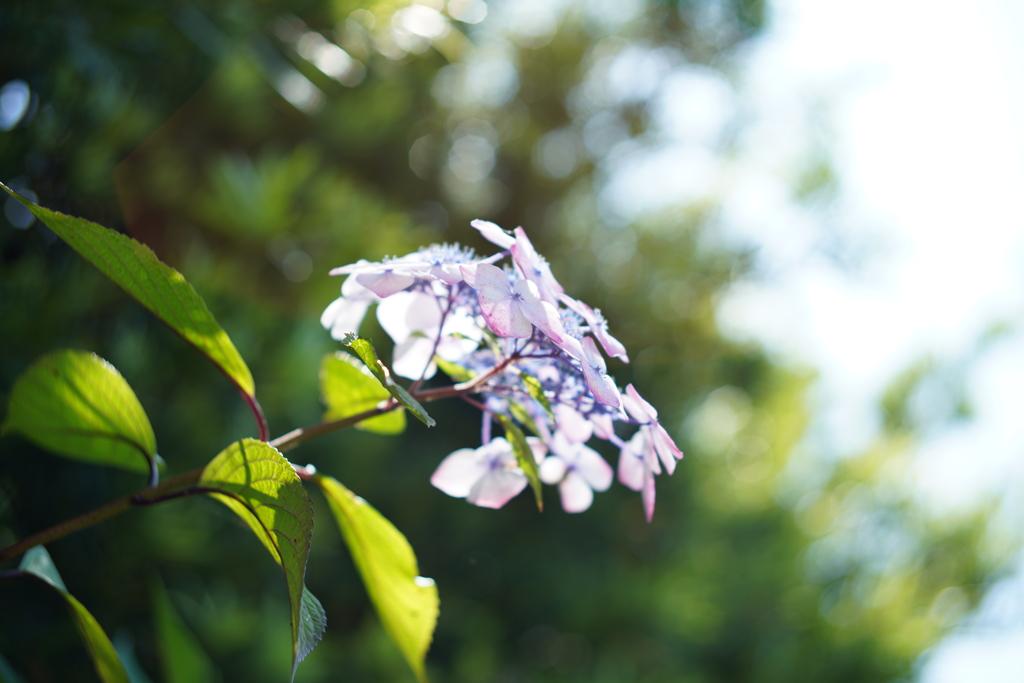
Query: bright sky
[{"x": 923, "y": 104}]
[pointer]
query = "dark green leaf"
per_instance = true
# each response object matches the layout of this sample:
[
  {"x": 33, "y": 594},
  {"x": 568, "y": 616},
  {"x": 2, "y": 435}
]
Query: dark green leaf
[
  {"x": 456, "y": 372},
  {"x": 364, "y": 349},
  {"x": 37, "y": 562},
  {"x": 76, "y": 404},
  {"x": 524, "y": 456},
  {"x": 535, "y": 389},
  {"x": 260, "y": 486},
  {"x": 184, "y": 660},
  {"x": 406, "y": 603},
  {"x": 157, "y": 286},
  {"x": 347, "y": 388}
]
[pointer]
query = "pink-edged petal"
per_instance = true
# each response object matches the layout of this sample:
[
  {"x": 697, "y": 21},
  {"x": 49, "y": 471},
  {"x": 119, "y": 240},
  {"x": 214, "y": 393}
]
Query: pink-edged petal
[
  {"x": 534, "y": 267},
  {"x": 642, "y": 406},
  {"x": 412, "y": 357},
  {"x": 595, "y": 469},
  {"x": 593, "y": 356},
  {"x": 665, "y": 447},
  {"x": 344, "y": 316},
  {"x": 572, "y": 424},
  {"x": 539, "y": 312},
  {"x": 386, "y": 283},
  {"x": 552, "y": 469},
  {"x": 351, "y": 289},
  {"x": 647, "y": 496},
  {"x": 496, "y": 488},
  {"x": 537, "y": 447},
  {"x": 457, "y": 473},
  {"x": 493, "y": 233},
  {"x": 631, "y": 463},
  {"x": 503, "y": 314},
  {"x": 612, "y": 346},
  {"x": 576, "y": 495},
  {"x": 406, "y": 313}
]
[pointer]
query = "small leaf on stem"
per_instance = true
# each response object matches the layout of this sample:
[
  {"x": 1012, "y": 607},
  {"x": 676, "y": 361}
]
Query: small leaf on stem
[
  {"x": 524, "y": 456},
  {"x": 347, "y": 388},
  {"x": 364, "y": 349},
  {"x": 184, "y": 660}
]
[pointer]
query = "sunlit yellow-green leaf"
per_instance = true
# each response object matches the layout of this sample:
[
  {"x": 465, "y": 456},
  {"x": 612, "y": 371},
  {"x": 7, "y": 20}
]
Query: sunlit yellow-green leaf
[
  {"x": 157, "y": 286},
  {"x": 347, "y": 388},
  {"x": 78, "y": 405},
  {"x": 182, "y": 658},
  {"x": 37, "y": 562},
  {"x": 260, "y": 486},
  {"x": 406, "y": 602},
  {"x": 364, "y": 349}
]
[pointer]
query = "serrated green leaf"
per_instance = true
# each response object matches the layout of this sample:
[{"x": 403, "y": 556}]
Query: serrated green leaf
[
  {"x": 348, "y": 388},
  {"x": 260, "y": 486},
  {"x": 157, "y": 286},
  {"x": 182, "y": 657},
  {"x": 78, "y": 405},
  {"x": 406, "y": 603},
  {"x": 37, "y": 562},
  {"x": 364, "y": 349},
  {"x": 533, "y": 386},
  {"x": 456, "y": 372},
  {"x": 524, "y": 456}
]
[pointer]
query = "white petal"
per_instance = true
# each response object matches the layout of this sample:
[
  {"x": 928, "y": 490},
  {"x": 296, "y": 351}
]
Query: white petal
[
  {"x": 458, "y": 472},
  {"x": 454, "y": 349},
  {"x": 594, "y": 356},
  {"x": 344, "y": 316},
  {"x": 552, "y": 469},
  {"x": 496, "y": 488},
  {"x": 595, "y": 469},
  {"x": 534, "y": 267},
  {"x": 576, "y": 495},
  {"x": 571, "y": 423},
  {"x": 351, "y": 289},
  {"x": 631, "y": 463},
  {"x": 406, "y": 313},
  {"x": 612, "y": 346},
  {"x": 412, "y": 356},
  {"x": 538, "y": 447},
  {"x": 481, "y": 275},
  {"x": 603, "y": 427},
  {"x": 385, "y": 284},
  {"x": 493, "y": 234}
]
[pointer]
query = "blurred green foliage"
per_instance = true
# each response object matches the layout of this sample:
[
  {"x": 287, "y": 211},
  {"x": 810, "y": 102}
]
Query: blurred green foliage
[{"x": 202, "y": 130}]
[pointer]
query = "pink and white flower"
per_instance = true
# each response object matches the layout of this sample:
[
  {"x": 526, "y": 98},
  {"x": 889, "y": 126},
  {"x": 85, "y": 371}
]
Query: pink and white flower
[
  {"x": 387, "y": 278},
  {"x": 534, "y": 268},
  {"x": 512, "y": 310},
  {"x": 598, "y": 326},
  {"x": 577, "y": 469},
  {"x": 487, "y": 476},
  {"x": 345, "y": 314},
  {"x": 637, "y": 467},
  {"x": 595, "y": 373},
  {"x": 413, "y": 320}
]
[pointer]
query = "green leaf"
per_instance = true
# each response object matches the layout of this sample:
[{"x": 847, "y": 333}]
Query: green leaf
[
  {"x": 406, "y": 603},
  {"x": 523, "y": 416},
  {"x": 535, "y": 390},
  {"x": 157, "y": 286},
  {"x": 37, "y": 562},
  {"x": 76, "y": 404},
  {"x": 184, "y": 660},
  {"x": 260, "y": 486},
  {"x": 456, "y": 372},
  {"x": 524, "y": 456},
  {"x": 348, "y": 388},
  {"x": 364, "y": 349}
]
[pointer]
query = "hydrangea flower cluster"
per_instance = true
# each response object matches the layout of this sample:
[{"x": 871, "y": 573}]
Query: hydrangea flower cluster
[{"x": 535, "y": 354}]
